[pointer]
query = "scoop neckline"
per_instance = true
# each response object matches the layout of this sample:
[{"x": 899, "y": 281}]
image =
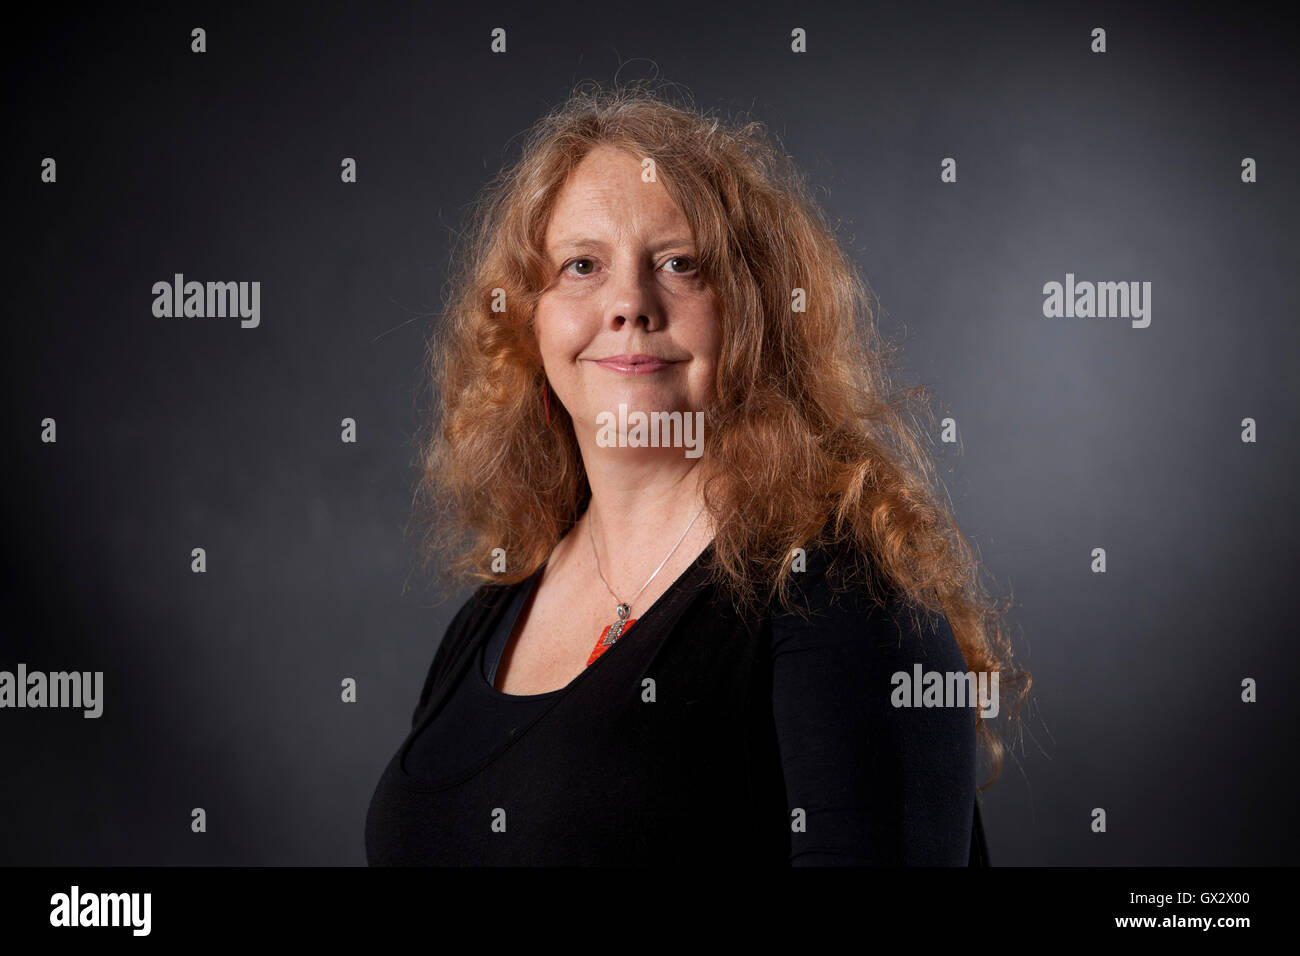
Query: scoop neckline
[
  {"x": 529, "y": 586},
  {"x": 553, "y": 697},
  {"x": 531, "y": 583}
]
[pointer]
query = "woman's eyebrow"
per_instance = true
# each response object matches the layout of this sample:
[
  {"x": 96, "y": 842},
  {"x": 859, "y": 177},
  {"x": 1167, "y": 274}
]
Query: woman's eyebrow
[{"x": 590, "y": 243}]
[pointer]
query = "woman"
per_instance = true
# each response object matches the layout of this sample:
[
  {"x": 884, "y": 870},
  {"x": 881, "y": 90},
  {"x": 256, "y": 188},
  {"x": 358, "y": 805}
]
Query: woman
[{"x": 686, "y": 644}]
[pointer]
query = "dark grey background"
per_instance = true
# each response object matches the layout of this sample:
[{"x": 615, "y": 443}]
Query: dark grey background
[{"x": 222, "y": 689}]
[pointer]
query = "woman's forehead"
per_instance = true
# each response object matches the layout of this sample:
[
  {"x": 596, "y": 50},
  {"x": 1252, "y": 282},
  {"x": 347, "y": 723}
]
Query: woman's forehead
[{"x": 607, "y": 202}]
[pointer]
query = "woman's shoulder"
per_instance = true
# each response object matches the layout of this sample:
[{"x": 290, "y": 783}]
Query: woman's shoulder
[
  {"x": 842, "y": 597},
  {"x": 829, "y": 575},
  {"x": 460, "y": 632}
]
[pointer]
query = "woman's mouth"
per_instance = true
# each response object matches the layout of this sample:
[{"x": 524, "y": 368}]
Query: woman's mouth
[{"x": 634, "y": 364}]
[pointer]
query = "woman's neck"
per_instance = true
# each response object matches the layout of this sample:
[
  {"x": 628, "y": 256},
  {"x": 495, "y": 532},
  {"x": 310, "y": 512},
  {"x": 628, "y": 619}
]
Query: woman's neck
[{"x": 635, "y": 519}]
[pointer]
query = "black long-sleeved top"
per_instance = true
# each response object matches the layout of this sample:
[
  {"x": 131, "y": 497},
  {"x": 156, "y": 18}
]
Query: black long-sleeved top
[{"x": 700, "y": 734}]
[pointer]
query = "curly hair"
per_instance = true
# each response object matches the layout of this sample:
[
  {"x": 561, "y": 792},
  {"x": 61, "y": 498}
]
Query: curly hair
[{"x": 807, "y": 431}]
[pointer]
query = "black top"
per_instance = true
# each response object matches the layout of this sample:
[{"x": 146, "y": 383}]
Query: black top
[
  {"x": 698, "y": 735},
  {"x": 478, "y": 717}
]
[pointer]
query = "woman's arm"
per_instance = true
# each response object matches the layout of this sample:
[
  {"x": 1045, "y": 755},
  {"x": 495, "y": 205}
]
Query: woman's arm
[{"x": 879, "y": 784}]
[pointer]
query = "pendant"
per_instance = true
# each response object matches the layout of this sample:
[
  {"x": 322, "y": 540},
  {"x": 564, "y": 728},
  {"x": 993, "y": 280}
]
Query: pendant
[{"x": 612, "y": 633}]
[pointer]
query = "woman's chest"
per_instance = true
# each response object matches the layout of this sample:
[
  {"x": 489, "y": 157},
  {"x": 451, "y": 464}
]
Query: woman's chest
[
  {"x": 564, "y": 626},
  {"x": 663, "y": 749}
]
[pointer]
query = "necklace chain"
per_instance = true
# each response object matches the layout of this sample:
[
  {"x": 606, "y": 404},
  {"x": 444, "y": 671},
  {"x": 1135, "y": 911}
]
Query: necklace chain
[{"x": 625, "y": 608}]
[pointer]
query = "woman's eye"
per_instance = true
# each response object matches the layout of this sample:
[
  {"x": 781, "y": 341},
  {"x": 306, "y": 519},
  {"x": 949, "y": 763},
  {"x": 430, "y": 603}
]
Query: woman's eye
[{"x": 583, "y": 264}]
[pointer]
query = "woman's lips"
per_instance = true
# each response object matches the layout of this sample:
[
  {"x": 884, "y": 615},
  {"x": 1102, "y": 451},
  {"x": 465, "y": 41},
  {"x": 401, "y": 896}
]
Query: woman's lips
[{"x": 634, "y": 364}]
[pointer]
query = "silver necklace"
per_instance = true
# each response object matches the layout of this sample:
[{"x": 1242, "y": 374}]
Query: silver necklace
[{"x": 624, "y": 608}]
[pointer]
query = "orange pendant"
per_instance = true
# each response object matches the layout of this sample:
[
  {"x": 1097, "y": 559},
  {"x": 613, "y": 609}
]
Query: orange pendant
[{"x": 607, "y": 638}]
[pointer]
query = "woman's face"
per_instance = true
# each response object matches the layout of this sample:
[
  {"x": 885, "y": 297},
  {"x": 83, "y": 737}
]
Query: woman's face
[{"x": 625, "y": 286}]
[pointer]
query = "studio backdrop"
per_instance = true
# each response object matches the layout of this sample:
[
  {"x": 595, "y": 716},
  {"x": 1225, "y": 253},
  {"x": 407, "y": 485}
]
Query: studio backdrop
[{"x": 1078, "y": 224}]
